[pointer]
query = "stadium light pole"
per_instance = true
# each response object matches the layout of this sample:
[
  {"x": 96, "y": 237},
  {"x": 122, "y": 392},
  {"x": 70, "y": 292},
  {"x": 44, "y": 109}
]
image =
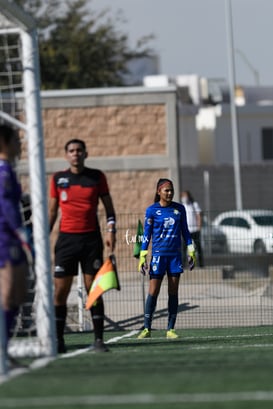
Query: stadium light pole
[{"x": 233, "y": 111}]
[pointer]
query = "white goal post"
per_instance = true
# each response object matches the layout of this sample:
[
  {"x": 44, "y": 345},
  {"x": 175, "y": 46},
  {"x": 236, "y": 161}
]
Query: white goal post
[{"x": 16, "y": 20}]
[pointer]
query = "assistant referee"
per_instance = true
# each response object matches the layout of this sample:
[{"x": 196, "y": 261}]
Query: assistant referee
[{"x": 76, "y": 192}]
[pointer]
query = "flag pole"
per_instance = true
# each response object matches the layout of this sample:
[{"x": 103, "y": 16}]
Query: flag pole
[
  {"x": 143, "y": 292},
  {"x": 136, "y": 253}
]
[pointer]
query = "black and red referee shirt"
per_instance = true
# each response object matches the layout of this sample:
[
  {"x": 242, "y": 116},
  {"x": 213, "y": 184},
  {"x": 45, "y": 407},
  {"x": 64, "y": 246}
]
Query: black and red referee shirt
[{"x": 78, "y": 196}]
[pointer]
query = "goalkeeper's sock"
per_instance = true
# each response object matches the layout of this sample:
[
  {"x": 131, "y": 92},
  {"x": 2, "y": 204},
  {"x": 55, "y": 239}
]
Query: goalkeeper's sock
[
  {"x": 97, "y": 314},
  {"x": 60, "y": 315},
  {"x": 172, "y": 309},
  {"x": 149, "y": 311}
]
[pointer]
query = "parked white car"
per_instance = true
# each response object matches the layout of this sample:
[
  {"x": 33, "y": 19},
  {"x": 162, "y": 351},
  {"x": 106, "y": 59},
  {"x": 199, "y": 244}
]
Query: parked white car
[{"x": 247, "y": 231}]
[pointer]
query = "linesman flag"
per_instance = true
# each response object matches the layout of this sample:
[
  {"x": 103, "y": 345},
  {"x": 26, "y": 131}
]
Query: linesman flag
[
  {"x": 106, "y": 279},
  {"x": 139, "y": 236}
]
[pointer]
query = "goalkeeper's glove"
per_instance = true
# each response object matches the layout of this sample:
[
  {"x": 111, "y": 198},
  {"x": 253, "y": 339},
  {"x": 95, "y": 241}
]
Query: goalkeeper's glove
[
  {"x": 191, "y": 256},
  {"x": 142, "y": 265}
]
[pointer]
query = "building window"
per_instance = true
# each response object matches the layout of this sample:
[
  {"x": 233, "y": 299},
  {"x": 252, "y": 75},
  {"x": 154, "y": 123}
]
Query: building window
[{"x": 267, "y": 143}]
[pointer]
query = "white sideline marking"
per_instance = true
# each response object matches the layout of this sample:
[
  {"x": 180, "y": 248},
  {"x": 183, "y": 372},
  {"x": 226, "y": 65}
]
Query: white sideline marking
[
  {"x": 209, "y": 337},
  {"x": 138, "y": 399},
  {"x": 213, "y": 347},
  {"x": 42, "y": 362},
  {"x": 230, "y": 346},
  {"x": 116, "y": 339},
  {"x": 110, "y": 341},
  {"x": 37, "y": 364},
  {"x": 216, "y": 337},
  {"x": 228, "y": 336},
  {"x": 75, "y": 353}
]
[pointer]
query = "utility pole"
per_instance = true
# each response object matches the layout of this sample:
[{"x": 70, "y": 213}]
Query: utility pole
[{"x": 233, "y": 111}]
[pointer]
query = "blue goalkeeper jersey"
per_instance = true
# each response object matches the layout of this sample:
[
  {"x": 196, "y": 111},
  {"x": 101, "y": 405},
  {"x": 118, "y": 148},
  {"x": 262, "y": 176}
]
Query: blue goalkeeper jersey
[{"x": 165, "y": 226}]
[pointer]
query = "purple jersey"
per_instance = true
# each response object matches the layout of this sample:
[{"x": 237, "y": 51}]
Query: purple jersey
[{"x": 10, "y": 216}]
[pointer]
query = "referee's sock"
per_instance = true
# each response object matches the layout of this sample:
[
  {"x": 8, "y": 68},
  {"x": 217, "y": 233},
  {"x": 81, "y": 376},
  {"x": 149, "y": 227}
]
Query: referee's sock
[
  {"x": 172, "y": 309},
  {"x": 97, "y": 314},
  {"x": 60, "y": 315},
  {"x": 149, "y": 311}
]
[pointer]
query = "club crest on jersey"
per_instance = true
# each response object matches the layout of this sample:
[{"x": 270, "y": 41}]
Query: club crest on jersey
[
  {"x": 63, "y": 182},
  {"x": 176, "y": 211},
  {"x": 59, "y": 269},
  {"x": 168, "y": 221}
]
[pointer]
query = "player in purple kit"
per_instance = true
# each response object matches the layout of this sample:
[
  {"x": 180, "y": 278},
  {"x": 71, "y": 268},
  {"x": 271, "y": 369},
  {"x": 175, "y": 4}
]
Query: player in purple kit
[
  {"x": 165, "y": 224},
  {"x": 13, "y": 240}
]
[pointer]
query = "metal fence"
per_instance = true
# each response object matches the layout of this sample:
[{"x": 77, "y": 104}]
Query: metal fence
[{"x": 230, "y": 290}]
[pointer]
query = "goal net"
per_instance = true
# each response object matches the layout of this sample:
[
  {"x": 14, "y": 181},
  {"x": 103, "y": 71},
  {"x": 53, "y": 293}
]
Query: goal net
[{"x": 34, "y": 333}]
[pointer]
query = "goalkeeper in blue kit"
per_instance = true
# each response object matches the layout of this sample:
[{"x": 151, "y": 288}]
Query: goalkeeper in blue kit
[{"x": 165, "y": 223}]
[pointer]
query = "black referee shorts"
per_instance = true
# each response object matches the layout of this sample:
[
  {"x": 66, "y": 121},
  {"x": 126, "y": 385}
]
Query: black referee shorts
[{"x": 72, "y": 249}]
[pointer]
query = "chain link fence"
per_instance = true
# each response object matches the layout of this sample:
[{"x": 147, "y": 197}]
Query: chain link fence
[{"x": 232, "y": 289}]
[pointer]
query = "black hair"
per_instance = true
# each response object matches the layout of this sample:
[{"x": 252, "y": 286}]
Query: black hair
[
  {"x": 190, "y": 196},
  {"x": 160, "y": 183},
  {"x": 7, "y": 133},
  {"x": 75, "y": 140}
]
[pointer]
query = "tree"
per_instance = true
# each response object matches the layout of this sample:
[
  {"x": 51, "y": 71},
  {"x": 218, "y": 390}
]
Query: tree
[{"x": 78, "y": 48}]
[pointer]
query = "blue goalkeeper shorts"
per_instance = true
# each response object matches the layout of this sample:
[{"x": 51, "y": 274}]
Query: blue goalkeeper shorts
[{"x": 160, "y": 265}]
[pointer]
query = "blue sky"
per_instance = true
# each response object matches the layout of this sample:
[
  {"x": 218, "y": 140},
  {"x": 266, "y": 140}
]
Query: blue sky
[{"x": 191, "y": 35}]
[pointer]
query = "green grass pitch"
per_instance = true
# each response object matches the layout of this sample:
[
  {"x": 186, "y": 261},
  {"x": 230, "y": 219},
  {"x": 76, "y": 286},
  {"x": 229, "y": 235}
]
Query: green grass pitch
[{"x": 204, "y": 369}]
